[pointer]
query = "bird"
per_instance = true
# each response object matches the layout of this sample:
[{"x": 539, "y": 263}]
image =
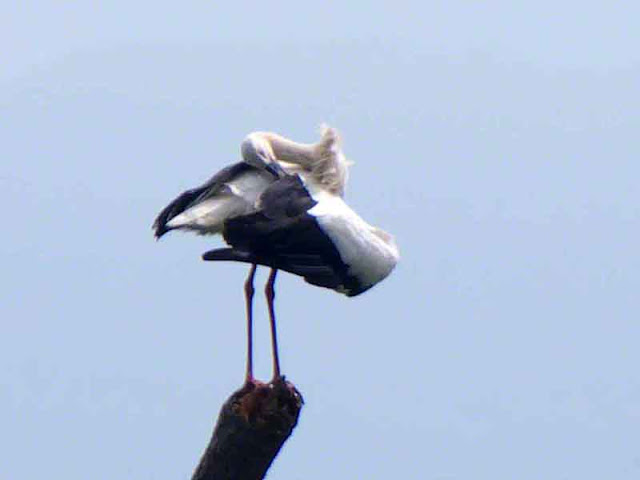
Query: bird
[{"x": 283, "y": 207}]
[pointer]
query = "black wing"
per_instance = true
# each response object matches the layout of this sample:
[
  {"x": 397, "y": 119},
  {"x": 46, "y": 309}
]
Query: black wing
[{"x": 196, "y": 195}]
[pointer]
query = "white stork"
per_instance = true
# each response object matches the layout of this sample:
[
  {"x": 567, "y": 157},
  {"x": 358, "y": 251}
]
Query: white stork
[{"x": 283, "y": 207}]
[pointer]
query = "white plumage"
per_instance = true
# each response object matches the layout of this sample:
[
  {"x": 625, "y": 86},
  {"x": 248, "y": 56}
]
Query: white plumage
[{"x": 370, "y": 253}]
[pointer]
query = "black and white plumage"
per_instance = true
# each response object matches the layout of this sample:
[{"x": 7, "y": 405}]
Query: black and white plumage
[
  {"x": 283, "y": 207},
  {"x": 312, "y": 234}
]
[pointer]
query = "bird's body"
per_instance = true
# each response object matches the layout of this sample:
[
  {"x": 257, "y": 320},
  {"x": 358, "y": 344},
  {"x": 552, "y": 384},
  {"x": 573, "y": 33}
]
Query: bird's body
[
  {"x": 283, "y": 207},
  {"x": 311, "y": 233}
]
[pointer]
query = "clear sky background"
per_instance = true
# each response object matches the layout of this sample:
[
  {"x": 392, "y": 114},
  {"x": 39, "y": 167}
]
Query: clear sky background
[{"x": 498, "y": 141}]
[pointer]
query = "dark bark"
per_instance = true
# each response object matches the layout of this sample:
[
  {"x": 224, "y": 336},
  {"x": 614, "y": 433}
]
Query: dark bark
[{"x": 252, "y": 426}]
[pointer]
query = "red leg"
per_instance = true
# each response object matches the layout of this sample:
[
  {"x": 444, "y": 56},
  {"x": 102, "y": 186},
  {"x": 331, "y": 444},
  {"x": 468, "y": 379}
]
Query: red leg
[
  {"x": 248, "y": 296},
  {"x": 271, "y": 295}
]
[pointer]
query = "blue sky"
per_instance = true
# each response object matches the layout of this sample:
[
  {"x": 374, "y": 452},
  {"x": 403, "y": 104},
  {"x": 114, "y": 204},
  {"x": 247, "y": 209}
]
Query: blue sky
[{"x": 498, "y": 143}]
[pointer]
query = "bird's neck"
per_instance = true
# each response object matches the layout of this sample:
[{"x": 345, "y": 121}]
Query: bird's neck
[
  {"x": 293, "y": 152},
  {"x": 324, "y": 160}
]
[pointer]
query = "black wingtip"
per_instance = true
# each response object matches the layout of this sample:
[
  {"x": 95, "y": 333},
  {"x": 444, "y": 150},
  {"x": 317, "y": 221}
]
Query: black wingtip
[
  {"x": 213, "y": 255},
  {"x": 227, "y": 255},
  {"x": 159, "y": 228},
  {"x": 159, "y": 232}
]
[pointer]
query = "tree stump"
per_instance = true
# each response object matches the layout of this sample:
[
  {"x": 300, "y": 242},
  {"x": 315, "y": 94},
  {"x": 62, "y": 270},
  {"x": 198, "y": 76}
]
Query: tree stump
[{"x": 253, "y": 424}]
